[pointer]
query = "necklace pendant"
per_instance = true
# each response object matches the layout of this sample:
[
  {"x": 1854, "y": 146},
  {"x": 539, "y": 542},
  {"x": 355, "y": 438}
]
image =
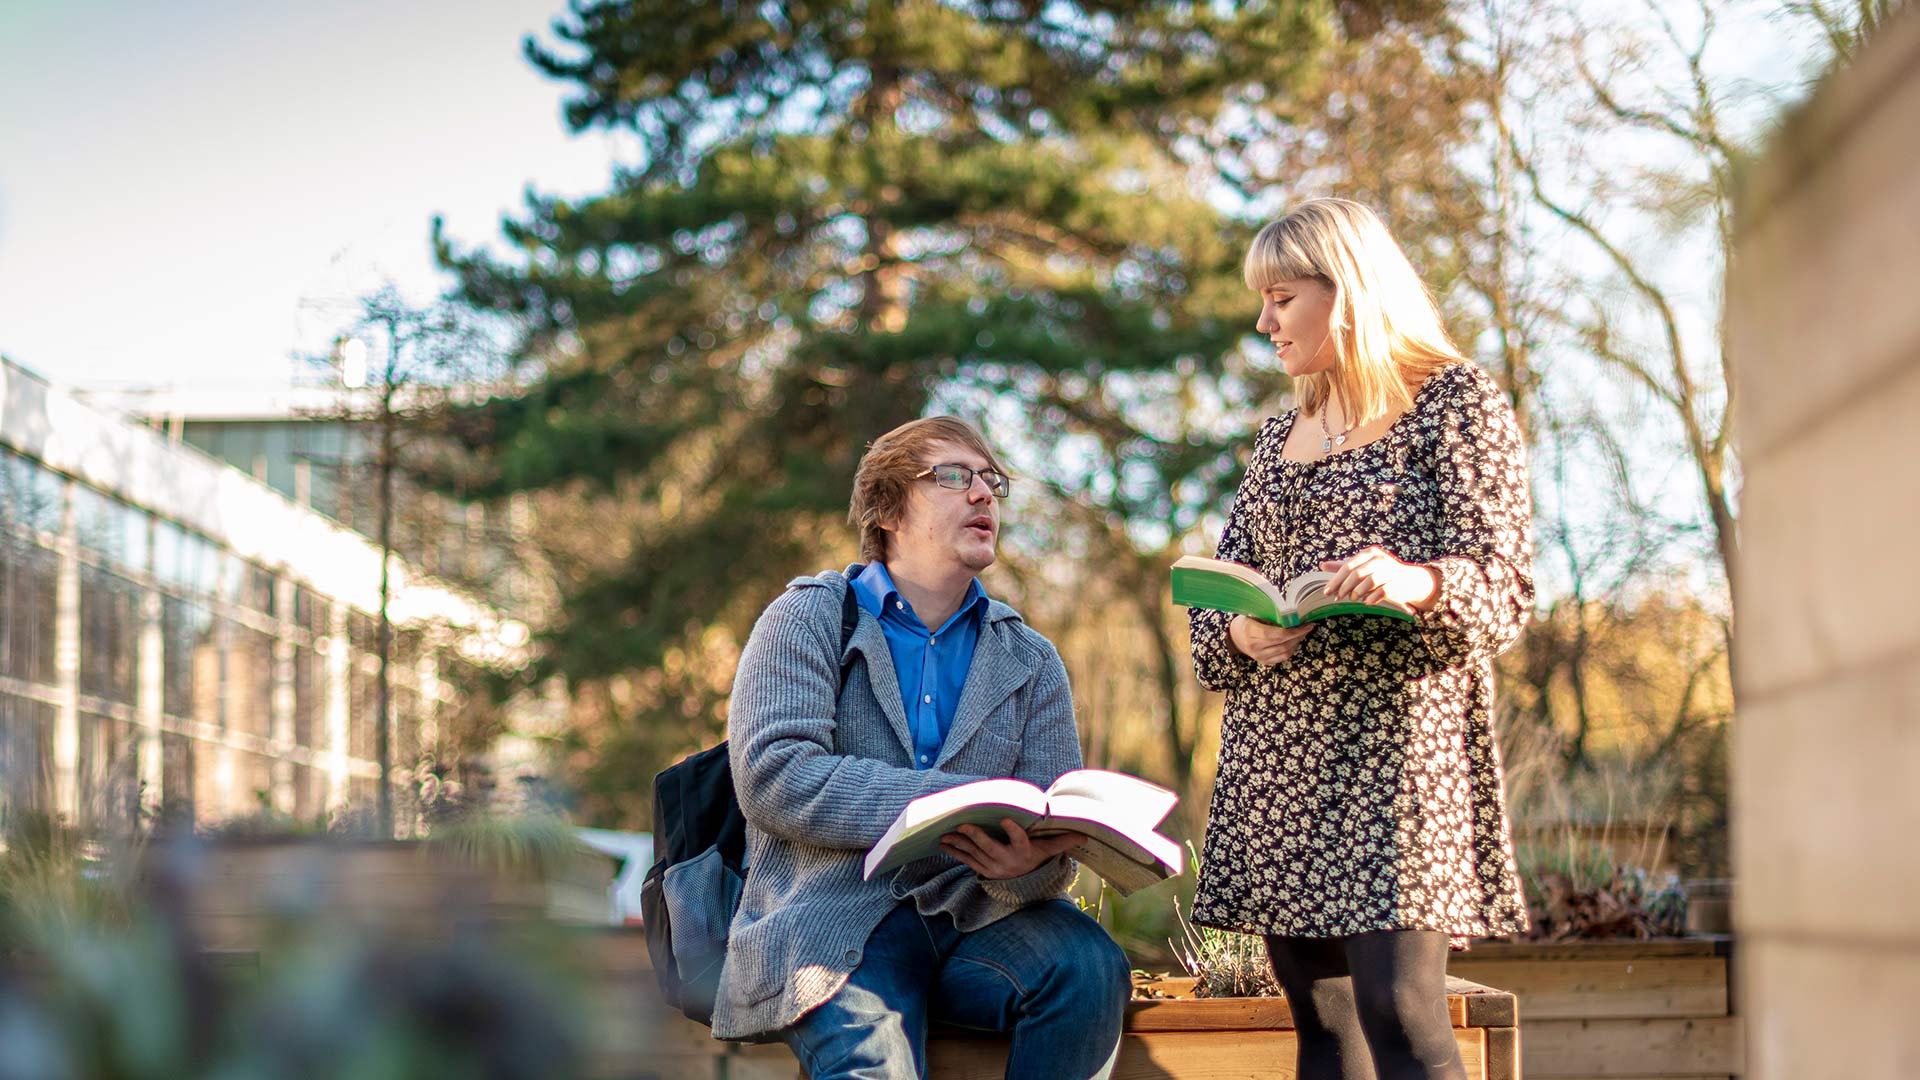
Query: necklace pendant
[
  {"x": 1340, "y": 440},
  {"x": 1326, "y": 445}
]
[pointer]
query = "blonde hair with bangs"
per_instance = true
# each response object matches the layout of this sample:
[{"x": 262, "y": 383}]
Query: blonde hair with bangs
[{"x": 1387, "y": 334}]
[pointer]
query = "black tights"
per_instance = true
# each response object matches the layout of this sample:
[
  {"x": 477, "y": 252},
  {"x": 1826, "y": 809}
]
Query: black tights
[{"x": 1370, "y": 1005}]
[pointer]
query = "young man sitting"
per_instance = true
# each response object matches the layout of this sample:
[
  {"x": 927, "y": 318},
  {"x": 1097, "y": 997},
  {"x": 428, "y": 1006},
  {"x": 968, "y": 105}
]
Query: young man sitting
[{"x": 943, "y": 686}]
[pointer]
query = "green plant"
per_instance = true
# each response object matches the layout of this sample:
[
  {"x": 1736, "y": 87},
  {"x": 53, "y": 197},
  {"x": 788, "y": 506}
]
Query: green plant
[
  {"x": 352, "y": 1005},
  {"x": 1592, "y": 842},
  {"x": 1577, "y": 888},
  {"x": 1222, "y": 963},
  {"x": 264, "y": 820},
  {"x": 140, "y": 1003},
  {"x": 1142, "y": 923},
  {"x": 103, "y": 978},
  {"x": 53, "y": 879},
  {"x": 1093, "y": 907},
  {"x": 534, "y": 844}
]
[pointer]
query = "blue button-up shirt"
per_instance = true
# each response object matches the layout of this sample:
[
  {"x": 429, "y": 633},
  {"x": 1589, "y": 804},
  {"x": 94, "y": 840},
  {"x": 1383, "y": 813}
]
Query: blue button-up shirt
[{"x": 932, "y": 665}]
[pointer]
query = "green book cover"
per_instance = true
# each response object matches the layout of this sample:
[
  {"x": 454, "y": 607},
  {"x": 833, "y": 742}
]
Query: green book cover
[{"x": 1217, "y": 585}]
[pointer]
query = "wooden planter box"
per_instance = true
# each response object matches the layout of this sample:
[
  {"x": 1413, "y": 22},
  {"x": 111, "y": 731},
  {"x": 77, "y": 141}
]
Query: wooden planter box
[
  {"x": 1187, "y": 1038},
  {"x": 1176, "y": 1038},
  {"x": 636, "y": 1036},
  {"x": 1618, "y": 1008}
]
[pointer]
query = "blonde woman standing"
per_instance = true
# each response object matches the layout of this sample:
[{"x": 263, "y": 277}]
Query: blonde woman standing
[{"x": 1358, "y": 822}]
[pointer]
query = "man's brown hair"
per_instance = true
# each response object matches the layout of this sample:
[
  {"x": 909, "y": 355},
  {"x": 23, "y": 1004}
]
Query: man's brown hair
[{"x": 886, "y": 472}]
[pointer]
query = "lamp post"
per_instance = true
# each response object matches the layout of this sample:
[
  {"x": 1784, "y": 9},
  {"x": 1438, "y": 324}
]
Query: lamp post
[
  {"x": 351, "y": 357},
  {"x": 353, "y": 363},
  {"x": 425, "y": 348}
]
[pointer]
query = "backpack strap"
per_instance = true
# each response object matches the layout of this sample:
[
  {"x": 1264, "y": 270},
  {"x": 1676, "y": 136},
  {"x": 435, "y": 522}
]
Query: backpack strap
[{"x": 849, "y": 621}]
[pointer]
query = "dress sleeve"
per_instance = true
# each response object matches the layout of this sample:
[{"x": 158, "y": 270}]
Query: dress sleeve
[
  {"x": 1484, "y": 533},
  {"x": 1217, "y": 664}
]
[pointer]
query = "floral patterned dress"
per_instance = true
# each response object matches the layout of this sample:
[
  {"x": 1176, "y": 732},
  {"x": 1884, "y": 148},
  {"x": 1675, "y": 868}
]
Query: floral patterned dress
[{"x": 1359, "y": 786}]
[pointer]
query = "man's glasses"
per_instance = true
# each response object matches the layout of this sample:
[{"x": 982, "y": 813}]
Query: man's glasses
[{"x": 960, "y": 478}]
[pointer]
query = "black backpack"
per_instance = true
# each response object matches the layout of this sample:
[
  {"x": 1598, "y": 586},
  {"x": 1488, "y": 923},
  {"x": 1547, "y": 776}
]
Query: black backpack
[{"x": 700, "y": 844}]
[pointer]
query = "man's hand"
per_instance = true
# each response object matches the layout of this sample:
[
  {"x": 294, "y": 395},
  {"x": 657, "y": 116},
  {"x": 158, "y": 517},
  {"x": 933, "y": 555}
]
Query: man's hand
[
  {"x": 1264, "y": 642},
  {"x": 1373, "y": 575},
  {"x": 996, "y": 861}
]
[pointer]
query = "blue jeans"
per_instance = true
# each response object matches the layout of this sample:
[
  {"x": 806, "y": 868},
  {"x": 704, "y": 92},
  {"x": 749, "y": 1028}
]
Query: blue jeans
[{"x": 1047, "y": 973}]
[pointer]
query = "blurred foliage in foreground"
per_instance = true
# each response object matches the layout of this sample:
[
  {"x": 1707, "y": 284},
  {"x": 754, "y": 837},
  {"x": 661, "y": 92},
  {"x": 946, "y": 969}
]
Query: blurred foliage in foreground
[{"x": 103, "y": 974}]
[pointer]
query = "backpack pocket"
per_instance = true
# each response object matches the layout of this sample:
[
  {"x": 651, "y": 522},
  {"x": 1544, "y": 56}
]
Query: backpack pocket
[{"x": 700, "y": 896}]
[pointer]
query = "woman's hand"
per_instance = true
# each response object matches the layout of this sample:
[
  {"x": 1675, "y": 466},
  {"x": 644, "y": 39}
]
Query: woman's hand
[
  {"x": 1264, "y": 642},
  {"x": 996, "y": 861},
  {"x": 1373, "y": 575}
]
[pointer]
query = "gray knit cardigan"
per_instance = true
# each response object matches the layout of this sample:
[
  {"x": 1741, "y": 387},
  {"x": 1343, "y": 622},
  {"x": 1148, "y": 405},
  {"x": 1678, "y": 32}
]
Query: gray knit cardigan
[{"x": 819, "y": 780}]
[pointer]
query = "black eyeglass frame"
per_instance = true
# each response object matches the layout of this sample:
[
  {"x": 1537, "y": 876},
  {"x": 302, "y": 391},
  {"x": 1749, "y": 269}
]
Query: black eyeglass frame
[{"x": 1000, "y": 490}]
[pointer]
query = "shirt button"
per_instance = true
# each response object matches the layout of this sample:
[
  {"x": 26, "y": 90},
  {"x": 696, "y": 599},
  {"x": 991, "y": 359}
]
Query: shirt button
[
  {"x": 853, "y": 956},
  {"x": 899, "y": 605},
  {"x": 923, "y": 759},
  {"x": 933, "y": 641},
  {"x": 928, "y": 699}
]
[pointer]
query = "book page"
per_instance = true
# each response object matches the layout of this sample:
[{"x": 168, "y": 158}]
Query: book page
[
  {"x": 1004, "y": 791},
  {"x": 1224, "y": 586},
  {"x": 916, "y": 833},
  {"x": 1145, "y": 847},
  {"x": 1120, "y": 871},
  {"x": 1120, "y": 815},
  {"x": 1307, "y": 594},
  {"x": 1128, "y": 796},
  {"x": 1242, "y": 571},
  {"x": 1307, "y": 591}
]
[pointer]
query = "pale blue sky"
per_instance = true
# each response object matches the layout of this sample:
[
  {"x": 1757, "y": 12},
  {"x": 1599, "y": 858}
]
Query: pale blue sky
[{"x": 190, "y": 191}]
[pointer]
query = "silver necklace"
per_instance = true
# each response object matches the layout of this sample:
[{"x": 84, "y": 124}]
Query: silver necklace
[{"x": 1331, "y": 440}]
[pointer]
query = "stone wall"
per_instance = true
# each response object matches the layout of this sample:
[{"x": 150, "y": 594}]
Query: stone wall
[{"x": 1824, "y": 335}]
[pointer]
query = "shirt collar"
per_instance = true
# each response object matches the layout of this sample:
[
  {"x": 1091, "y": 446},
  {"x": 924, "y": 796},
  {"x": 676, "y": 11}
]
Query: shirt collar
[{"x": 874, "y": 590}]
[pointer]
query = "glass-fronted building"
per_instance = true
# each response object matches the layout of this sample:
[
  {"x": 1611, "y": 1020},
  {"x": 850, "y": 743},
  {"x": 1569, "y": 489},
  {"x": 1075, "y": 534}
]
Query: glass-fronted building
[
  {"x": 295, "y": 440},
  {"x": 177, "y": 637}
]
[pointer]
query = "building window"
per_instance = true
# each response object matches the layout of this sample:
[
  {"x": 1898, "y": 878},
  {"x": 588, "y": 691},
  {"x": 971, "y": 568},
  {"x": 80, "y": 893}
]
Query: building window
[
  {"x": 190, "y": 661},
  {"x": 249, "y": 679},
  {"x": 31, "y": 497},
  {"x": 109, "y": 772},
  {"x": 363, "y": 684},
  {"x": 29, "y": 583},
  {"x": 185, "y": 562},
  {"x": 109, "y": 635},
  {"x": 309, "y": 698},
  {"x": 256, "y": 589},
  {"x": 26, "y": 756},
  {"x": 110, "y": 530},
  {"x": 177, "y": 777}
]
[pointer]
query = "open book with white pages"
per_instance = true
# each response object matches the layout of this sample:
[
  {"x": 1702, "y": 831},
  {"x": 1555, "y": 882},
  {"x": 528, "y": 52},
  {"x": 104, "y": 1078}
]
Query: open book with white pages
[{"x": 1119, "y": 814}]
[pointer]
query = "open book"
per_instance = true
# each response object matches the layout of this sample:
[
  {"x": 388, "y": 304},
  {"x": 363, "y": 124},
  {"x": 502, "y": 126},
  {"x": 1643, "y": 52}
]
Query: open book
[
  {"x": 1117, "y": 812},
  {"x": 1229, "y": 586}
]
